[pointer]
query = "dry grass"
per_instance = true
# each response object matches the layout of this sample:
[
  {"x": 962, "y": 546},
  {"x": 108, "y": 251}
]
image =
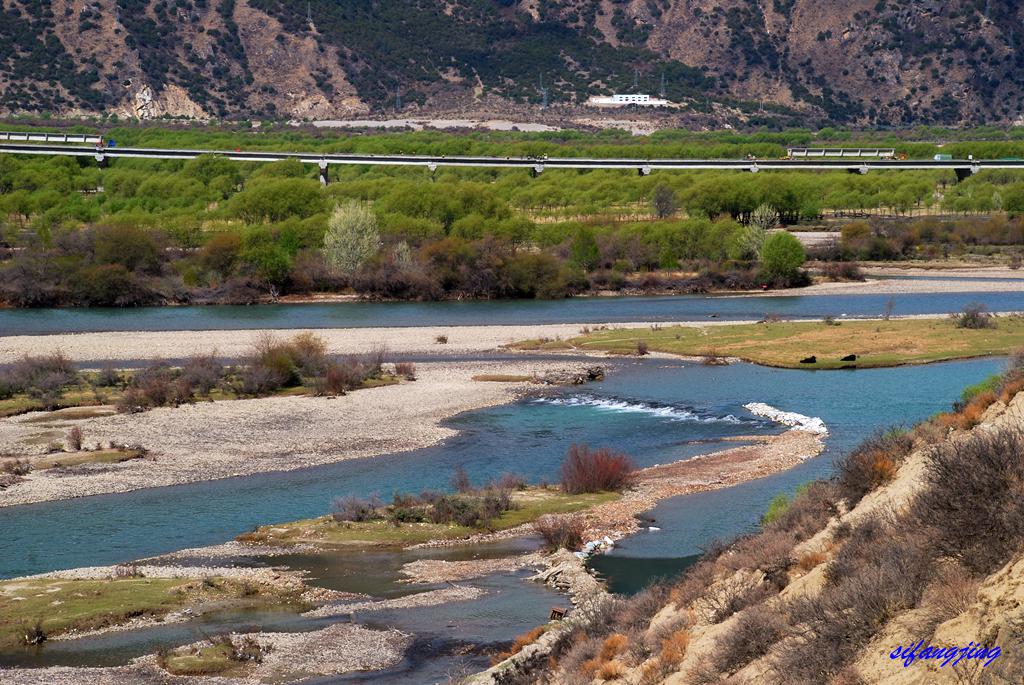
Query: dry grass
[
  {"x": 502, "y": 378},
  {"x": 611, "y": 670},
  {"x": 784, "y": 344},
  {"x": 518, "y": 644},
  {"x": 673, "y": 647},
  {"x": 811, "y": 560}
]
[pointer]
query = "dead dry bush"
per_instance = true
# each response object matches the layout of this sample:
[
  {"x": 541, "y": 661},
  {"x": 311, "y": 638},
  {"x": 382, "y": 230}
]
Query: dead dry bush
[
  {"x": 561, "y": 531},
  {"x": 727, "y": 602},
  {"x": 518, "y": 644},
  {"x": 770, "y": 551},
  {"x": 810, "y": 510},
  {"x": 974, "y": 499},
  {"x": 873, "y": 463},
  {"x": 952, "y": 591},
  {"x": 752, "y": 635},
  {"x": 693, "y": 584},
  {"x": 869, "y": 582}
]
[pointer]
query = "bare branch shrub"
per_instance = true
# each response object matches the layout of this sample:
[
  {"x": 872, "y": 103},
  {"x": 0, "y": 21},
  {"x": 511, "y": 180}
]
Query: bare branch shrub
[
  {"x": 561, "y": 531},
  {"x": 973, "y": 485},
  {"x": 406, "y": 370},
  {"x": 599, "y": 470},
  {"x": 873, "y": 463},
  {"x": 355, "y": 509},
  {"x": 74, "y": 439},
  {"x": 974, "y": 316},
  {"x": 753, "y": 634}
]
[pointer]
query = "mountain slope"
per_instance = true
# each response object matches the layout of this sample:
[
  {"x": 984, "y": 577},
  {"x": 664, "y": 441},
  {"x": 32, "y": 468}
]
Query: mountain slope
[{"x": 892, "y": 62}]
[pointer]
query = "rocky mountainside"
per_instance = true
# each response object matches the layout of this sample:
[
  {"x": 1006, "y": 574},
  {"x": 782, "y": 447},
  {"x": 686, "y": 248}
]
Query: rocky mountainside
[{"x": 867, "y": 62}]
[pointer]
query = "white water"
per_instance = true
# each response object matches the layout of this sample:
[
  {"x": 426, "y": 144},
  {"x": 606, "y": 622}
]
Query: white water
[
  {"x": 810, "y": 424},
  {"x": 624, "y": 407}
]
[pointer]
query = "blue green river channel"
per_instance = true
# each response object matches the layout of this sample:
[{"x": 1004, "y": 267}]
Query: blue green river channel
[{"x": 655, "y": 410}]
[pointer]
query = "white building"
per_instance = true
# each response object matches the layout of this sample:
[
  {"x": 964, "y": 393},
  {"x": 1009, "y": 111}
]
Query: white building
[{"x": 620, "y": 99}]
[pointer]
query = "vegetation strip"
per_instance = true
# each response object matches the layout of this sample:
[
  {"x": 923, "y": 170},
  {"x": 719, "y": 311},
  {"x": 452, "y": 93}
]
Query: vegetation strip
[{"x": 809, "y": 345}]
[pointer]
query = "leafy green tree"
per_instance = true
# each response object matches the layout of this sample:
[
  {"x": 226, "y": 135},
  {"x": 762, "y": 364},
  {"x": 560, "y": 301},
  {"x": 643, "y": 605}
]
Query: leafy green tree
[
  {"x": 782, "y": 256},
  {"x": 269, "y": 264},
  {"x": 277, "y": 199},
  {"x": 352, "y": 237},
  {"x": 583, "y": 251},
  {"x": 205, "y": 168}
]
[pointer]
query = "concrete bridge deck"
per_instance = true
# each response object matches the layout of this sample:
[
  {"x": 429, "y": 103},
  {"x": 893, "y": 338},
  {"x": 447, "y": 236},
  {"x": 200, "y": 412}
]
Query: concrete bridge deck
[{"x": 963, "y": 167}]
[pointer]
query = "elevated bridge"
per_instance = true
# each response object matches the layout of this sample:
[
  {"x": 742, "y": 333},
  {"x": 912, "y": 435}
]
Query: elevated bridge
[{"x": 536, "y": 165}]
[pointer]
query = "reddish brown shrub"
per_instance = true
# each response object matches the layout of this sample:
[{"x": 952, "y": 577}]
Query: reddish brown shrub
[
  {"x": 341, "y": 376},
  {"x": 873, "y": 463},
  {"x": 810, "y": 560},
  {"x": 406, "y": 370},
  {"x": 673, "y": 647},
  {"x": 518, "y": 643},
  {"x": 596, "y": 471},
  {"x": 561, "y": 531},
  {"x": 75, "y": 439}
]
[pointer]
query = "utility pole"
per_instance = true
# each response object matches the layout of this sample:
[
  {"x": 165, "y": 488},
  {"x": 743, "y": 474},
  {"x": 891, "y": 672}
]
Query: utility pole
[
  {"x": 543, "y": 93},
  {"x": 398, "y": 98},
  {"x": 636, "y": 79},
  {"x": 663, "y": 92},
  {"x": 309, "y": 15}
]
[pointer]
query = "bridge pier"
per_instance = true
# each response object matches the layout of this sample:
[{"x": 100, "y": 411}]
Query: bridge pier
[
  {"x": 537, "y": 170},
  {"x": 644, "y": 170},
  {"x": 323, "y": 173},
  {"x": 101, "y": 160},
  {"x": 964, "y": 173}
]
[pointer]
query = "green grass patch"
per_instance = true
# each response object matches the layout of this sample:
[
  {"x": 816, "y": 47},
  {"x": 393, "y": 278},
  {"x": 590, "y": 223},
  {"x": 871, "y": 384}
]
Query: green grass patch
[
  {"x": 530, "y": 504},
  {"x": 65, "y": 459},
  {"x": 990, "y": 384},
  {"x": 784, "y": 344},
  {"x": 206, "y": 660},
  {"x": 63, "y": 605}
]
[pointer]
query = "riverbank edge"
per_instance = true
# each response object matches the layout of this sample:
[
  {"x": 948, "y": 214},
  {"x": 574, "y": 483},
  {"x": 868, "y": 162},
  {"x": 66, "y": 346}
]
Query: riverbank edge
[
  {"x": 563, "y": 570},
  {"x": 877, "y": 281},
  {"x": 471, "y": 396}
]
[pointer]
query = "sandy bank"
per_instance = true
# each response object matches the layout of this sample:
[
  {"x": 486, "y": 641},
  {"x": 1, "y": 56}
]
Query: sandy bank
[
  {"x": 138, "y": 345},
  {"x": 713, "y": 471},
  {"x": 339, "y": 648},
  {"x": 211, "y": 440},
  {"x": 444, "y": 571}
]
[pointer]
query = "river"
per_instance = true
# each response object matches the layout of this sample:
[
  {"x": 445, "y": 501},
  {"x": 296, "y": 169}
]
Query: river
[
  {"x": 469, "y": 313},
  {"x": 653, "y": 409}
]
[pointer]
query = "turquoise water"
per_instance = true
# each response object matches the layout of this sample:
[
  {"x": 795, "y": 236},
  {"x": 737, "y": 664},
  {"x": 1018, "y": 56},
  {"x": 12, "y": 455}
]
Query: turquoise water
[
  {"x": 573, "y": 310},
  {"x": 447, "y": 637},
  {"x": 853, "y": 404},
  {"x": 655, "y": 410}
]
